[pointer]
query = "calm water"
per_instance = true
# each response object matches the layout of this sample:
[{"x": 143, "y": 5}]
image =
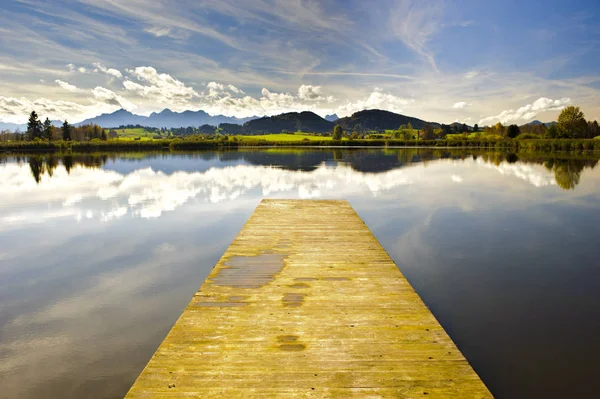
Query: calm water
[{"x": 100, "y": 254}]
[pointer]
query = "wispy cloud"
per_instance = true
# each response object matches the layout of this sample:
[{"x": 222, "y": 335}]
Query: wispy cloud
[
  {"x": 157, "y": 13},
  {"x": 68, "y": 87},
  {"x": 109, "y": 71},
  {"x": 158, "y": 31},
  {"x": 415, "y": 22}
]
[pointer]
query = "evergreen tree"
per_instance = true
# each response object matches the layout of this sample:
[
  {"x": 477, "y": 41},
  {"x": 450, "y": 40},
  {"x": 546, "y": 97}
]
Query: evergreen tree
[
  {"x": 34, "y": 127},
  {"x": 66, "y": 131},
  {"x": 48, "y": 129},
  {"x": 475, "y": 128},
  {"x": 104, "y": 136}
]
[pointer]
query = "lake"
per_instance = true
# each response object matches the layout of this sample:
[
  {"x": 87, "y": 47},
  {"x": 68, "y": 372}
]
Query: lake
[{"x": 100, "y": 254}]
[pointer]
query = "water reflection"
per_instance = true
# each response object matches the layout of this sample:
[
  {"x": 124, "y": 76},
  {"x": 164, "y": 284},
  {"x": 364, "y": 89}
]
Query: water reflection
[
  {"x": 567, "y": 168},
  {"x": 99, "y": 253},
  {"x": 94, "y": 185}
]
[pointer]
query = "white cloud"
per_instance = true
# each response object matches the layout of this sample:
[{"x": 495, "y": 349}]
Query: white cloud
[
  {"x": 376, "y": 100},
  {"x": 16, "y": 110},
  {"x": 528, "y": 111},
  {"x": 108, "y": 71},
  {"x": 312, "y": 93},
  {"x": 235, "y": 89},
  {"x": 216, "y": 90},
  {"x": 161, "y": 87},
  {"x": 74, "y": 68},
  {"x": 110, "y": 97},
  {"x": 229, "y": 100},
  {"x": 69, "y": 87},
  {"x": 460, "y": 105},
  {"x": 276, "y": 99}
]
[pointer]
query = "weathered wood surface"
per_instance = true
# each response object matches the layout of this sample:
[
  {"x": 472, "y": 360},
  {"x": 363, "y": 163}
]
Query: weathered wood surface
[{"x": 306, "y": 303}]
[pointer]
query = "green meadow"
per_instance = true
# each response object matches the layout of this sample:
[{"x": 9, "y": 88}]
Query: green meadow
[{"x": 285, "y": 137}]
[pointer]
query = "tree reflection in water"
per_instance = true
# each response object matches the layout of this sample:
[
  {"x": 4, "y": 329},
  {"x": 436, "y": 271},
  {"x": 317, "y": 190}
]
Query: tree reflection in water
[
  {"x": 567, "y": 172},
  {"x": 567, "y": 167}
]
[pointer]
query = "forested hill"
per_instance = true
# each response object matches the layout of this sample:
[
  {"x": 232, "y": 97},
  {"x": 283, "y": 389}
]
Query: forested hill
[
  {"x": 291, "y": 122},
  {"x": 376, "y": 119}
]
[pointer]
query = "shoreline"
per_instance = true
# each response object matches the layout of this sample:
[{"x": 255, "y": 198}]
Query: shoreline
[{"x": 549, "y": 145}]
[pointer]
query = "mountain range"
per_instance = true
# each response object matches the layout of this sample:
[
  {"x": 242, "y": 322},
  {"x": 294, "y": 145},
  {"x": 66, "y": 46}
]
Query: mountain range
[
  {"x": 306, "y": 121},
  {"x": 166, "y": 118}
]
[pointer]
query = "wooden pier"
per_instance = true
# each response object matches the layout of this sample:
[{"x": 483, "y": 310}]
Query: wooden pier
[{"x": 305, "y": 303}]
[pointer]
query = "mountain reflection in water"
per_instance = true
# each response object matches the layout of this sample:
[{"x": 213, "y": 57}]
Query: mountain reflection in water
[{"x": 567, "y": 168}]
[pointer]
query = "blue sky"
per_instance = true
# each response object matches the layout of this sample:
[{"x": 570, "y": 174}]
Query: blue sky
[{"x": 471, "y": 61}]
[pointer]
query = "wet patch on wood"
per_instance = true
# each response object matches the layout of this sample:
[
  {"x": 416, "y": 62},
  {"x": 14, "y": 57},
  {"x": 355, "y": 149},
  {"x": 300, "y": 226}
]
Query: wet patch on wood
[
  {"x": 299, "y": 286},
  {"x": 293, "y": 300},
  {"x": 289, "y": 343},
  {"x": 249, "y": 271}
]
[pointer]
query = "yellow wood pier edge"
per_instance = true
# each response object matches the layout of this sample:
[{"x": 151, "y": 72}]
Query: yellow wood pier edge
[{"x": 305, "y": 303}]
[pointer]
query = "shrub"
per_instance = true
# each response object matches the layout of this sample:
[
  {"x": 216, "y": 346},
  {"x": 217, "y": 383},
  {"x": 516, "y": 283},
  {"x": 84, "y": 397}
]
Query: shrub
[{"x": 525, "y": 136}]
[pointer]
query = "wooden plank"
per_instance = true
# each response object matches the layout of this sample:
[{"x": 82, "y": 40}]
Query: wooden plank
[{"x": 306, "y": 303}]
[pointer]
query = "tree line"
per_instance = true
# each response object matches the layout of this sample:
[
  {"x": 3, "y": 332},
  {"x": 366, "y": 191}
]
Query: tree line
[{"x": 46, "y": 131}]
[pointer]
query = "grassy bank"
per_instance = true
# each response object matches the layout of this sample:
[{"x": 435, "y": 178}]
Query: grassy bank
[{"x": 275, "y": 141}]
